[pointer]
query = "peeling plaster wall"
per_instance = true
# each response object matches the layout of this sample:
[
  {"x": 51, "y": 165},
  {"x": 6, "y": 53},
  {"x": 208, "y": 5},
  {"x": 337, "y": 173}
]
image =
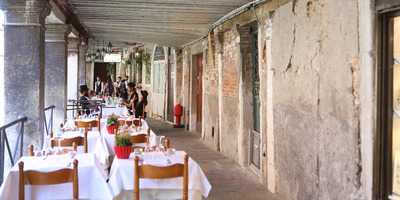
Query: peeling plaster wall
[
  {"x": 230, "y": 94},
  {"x": 316, "y": 99},
  {"x": 314, "y": 96},
  {"x": 210, "y": 130}
]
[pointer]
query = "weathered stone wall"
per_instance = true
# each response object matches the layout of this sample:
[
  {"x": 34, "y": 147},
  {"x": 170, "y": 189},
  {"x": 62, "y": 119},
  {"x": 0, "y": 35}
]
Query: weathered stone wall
[
  {"x": 315, "y": 99},
  {"x": 310, "y": 104},
  {"x": 229, "y": 127},
  {"x": 210, "y": 127}
]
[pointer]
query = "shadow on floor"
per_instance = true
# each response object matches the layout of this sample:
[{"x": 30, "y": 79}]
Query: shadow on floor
[{"x": 229, "y": 181}]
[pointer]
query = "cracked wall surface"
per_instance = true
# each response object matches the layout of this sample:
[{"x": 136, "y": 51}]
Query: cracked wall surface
[
  {"x": 310, "y": 75},
  {"x": 316, "y": 103}
]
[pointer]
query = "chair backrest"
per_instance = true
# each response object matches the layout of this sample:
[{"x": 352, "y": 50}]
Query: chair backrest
[
  {"x": 48, "y": 178},
  {"x": 71, "y": 142},
  {"x": 88, "y": 125},
  {"x": 155, "y": 172},
  {"x": 141, "y": 138}
]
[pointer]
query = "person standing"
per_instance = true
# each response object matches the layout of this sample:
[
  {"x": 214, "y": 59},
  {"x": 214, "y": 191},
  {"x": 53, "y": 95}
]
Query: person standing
[
  {"x": 133, "y": 98},
  {"x": 98, "y": 87},
  {"x": 109, "y": 87},
  {"x": 123, "y": 93},
  {"x": 140, "y": 109},
  {"x": 117, "y": 86},
  {"x": 84, "y": 100}
]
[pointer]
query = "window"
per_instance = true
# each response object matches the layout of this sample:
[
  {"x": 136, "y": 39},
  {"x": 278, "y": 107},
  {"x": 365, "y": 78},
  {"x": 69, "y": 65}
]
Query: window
[{"x": 389, "y": 107}]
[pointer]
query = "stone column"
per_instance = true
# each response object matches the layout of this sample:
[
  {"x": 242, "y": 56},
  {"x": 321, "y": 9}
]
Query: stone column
[
  {"x": 56, "y": 69},
  {"x": 72, "y": 69},
  {"x": 24, "y": 65},
  {"x": 82, "y": 63}
]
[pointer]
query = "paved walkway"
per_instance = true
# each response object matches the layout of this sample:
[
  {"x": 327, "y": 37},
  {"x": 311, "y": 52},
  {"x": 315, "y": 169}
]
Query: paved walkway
[{"x": 229, "y": 181}]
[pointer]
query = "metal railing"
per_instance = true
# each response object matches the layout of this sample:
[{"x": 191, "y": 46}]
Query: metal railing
[
  {"x": 49, "y": 121},
  {"x": 5, "y": 144},
  {"x": 95, "y": 106}
]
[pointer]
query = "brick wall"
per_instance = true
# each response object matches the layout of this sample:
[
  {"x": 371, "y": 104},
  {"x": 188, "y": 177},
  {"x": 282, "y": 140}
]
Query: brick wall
[{"x": 230, "y": 71}]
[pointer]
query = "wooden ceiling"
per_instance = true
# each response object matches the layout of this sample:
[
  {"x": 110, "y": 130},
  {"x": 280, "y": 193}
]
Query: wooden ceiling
[{"x": 164, "y": 22}]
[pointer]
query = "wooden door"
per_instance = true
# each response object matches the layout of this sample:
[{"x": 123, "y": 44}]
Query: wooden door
[{"x": 199, "y": 90}]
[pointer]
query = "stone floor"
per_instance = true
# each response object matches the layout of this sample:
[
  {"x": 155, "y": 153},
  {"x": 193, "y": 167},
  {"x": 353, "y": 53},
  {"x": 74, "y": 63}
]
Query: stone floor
[{"x": 229, "y": 181}]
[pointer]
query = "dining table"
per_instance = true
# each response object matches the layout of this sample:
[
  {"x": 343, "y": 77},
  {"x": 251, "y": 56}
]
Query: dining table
[
  {"x": 100, "y": 142},
  {"x": 103, "y": 176},
  {"x": 92, "y": 179},
  {"x": 122, "y": 177}
]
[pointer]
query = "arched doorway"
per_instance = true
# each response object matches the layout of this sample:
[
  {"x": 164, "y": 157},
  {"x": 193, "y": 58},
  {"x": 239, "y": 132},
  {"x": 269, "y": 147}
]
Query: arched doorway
[{"x": 159, "y": 66}]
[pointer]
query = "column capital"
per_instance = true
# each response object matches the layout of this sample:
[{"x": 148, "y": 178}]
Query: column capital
[
  {"x": 25, "y": 12},
  {"x": 57, "y": 32},
  {"x": 73, "y": 44},
  {"x": 83, "y": 45}
]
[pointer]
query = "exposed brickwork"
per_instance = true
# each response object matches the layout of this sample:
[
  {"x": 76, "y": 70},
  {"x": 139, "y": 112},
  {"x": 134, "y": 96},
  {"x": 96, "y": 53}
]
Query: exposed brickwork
[
  {"x": 230, "y": 73},
  {"x": 211, "y": 70}
]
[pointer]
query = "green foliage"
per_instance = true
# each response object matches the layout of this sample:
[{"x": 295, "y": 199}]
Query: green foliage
[
  {"x": 122, "y": 140},
  {"x": 112, "y": 120}
]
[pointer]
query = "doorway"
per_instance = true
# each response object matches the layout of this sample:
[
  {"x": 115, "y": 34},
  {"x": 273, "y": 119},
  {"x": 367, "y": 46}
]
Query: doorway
[
  {"x": 198, "y": 90},
  {"x": 159, "y": 83},
  {"x": 255, "y": 137},
  {"x": 103, "y": 70},
  {"x": 170, "y": 104}
]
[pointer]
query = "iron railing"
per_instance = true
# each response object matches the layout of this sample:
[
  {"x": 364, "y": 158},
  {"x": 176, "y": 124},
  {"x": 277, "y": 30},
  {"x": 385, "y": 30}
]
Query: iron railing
[
  {"x": 5, "y": 144},
  {"x": 49, "y": 120},
  {"x": 95, "y": 106}
]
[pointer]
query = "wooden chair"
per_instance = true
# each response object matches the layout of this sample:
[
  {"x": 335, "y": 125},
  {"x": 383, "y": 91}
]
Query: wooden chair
[
  {"x": 88, "y": 125},
  {"x": 154, "y": 172},
  {"x": 72, "y": 142},
  {"x": 48, "y": 178},
  {"x": 138, "y": 139}
]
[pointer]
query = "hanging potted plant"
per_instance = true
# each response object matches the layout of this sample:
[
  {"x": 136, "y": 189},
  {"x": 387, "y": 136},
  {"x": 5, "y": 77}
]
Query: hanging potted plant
[
  {"x": 112, "y": 124},
  {"x": 123, "y": 146}
]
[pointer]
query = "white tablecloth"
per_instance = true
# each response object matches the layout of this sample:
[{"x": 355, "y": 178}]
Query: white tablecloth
[
  {"x": 92, "y": 183},
  {"x": 102, "y": 144},
  {"x": 120, "y": 111},
  {"x": 121, "y": 177}
]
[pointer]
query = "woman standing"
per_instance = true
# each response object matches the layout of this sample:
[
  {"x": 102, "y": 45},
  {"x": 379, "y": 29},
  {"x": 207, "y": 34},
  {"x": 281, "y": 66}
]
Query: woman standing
[
  {"x": 140, "y": 109},
  {"x": 133, "y": 98}
]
